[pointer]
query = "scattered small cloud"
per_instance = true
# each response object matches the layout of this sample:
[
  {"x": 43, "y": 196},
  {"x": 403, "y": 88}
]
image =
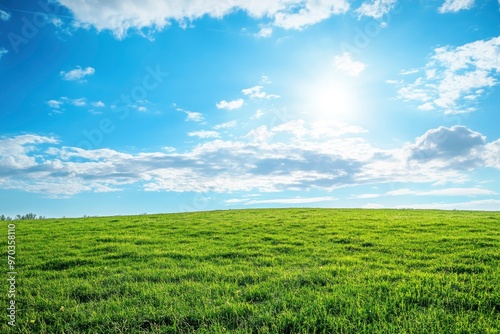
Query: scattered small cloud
[
  {"x": 77, "y": 74},
  {"x": 54, "y": 104},
  {"x": 346, "y": 64},
  {"x": 453, "y": 6},
  {"x": 257, "y": 92},
  {"x": 227, "y": 125},
  {"x": 3, "y": 52},
  {"x": 376, "y": 8},
  {"x": 4, "y": 16},
  {"x": 169, "y": 149},
  {"x": 231, "y": 105},
  {"x": 265, "y": 80},
  {"x": 191, "y": 116},
  {"x": 80, "y": 102},
  {"x": 194, "y": 116},
  {"x": 98, "y": 104},
  {"x": 204, "y": 134},
  {"x": 142, "y": 109},
  {"x": 258, "y": 114},
  {"x": 265, "y": 32},
  {"x": 410, "y": 71}
]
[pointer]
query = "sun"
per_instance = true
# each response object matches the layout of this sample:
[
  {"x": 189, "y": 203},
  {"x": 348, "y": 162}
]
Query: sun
[{"x": 331, "y": 99}]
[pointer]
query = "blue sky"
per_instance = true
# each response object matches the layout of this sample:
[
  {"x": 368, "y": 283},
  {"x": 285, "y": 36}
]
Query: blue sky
[{"x": 128, "y": 107}]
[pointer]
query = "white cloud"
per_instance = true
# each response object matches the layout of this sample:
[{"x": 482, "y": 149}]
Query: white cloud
[
  {"x": 346, "y": 64},
  {"x": 4, "y": 16},
  {"x": 227, "y": 125},
  {"x": 56, "y": 21},
  {"x": 142, "y": 109},
  {"x": 54, "y": 104},
  {"x": 410, "y": 71},
  {"x": 448, "y": 192},
  {"x": 120, "y": 16},
  {"x": 80, "y": 102},
  {"x": 453, "y": 6},
  {"x": 265, "y": 80},
  {"x": 258, "y": 114},
  {"x": 492, "y": 154},
  {"x": 373, "y": 206},
  {"x": 194, "y": 116},
  {"x": 257, "y": 93},
  {"x": 231, "y": 105},
  {"x": 483, "y": 205},
  {"x": 204, "y": 134},
  {"x": 265, "y": 32},
  {"x": 312, "y": 12},
  {"x": 266, "y": 160},
  {"x": 3, "y": 52},
  {"x": 260, "y": 134},
  {"x": 191, "y": 116},
  {"x": 16, "y": 153},
  {"x": 376, "y": 9},
  {"x": 293, "y": 200},
  {"x": 426, "y": 106},
  {"x": 455, "y": 77},
  {"x": 78, "y": 73},
  {"x": 457, "y": 147},
  {"x": 98, "y": 104},
  {"x": 443, "y": 192}
]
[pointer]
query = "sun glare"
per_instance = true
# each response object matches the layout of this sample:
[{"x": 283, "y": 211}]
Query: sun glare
[{"x": 330, "y": 100}]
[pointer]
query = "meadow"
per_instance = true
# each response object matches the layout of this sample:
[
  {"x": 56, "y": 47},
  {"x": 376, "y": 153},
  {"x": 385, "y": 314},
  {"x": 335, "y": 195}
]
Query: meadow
[{"x": 258, "y": 271}]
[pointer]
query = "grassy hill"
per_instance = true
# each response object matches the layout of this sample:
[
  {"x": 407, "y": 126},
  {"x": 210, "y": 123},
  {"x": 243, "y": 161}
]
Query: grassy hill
[{"x": 258, "y": 271}]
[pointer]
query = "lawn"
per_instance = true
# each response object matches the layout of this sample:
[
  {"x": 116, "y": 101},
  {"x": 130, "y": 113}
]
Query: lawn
[{"x": 258, "y": 271}]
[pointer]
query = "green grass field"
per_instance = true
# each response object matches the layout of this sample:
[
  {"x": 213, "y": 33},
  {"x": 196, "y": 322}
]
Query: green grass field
[{"x": 259, "y": 271}]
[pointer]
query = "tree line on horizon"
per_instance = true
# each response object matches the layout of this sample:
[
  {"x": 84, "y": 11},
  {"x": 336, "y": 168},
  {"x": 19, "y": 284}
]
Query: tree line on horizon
[{"x": 28, "y": 216}]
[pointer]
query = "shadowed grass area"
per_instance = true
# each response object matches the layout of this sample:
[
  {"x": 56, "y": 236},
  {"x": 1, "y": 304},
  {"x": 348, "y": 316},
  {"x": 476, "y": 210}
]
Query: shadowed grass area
[{"x": 259, "y": 271}]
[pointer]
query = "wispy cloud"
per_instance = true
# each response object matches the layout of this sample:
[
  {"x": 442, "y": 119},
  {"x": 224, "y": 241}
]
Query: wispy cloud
[
  {"x": 204, "y": 134},
  {"x": 258, "y": 114},
  {"x": 191, "y": 116},
  {"x": 453, "y": 6},
  {"x": 227, "y": 125},
  {"x": 293, "y": 200},
  {"x": 80, "y": 102},
  {"x": 98, "y": 104},
  {"x": 265, "y": 32},
  {"x": 376, "y": 8},
  {"x": 3, "y": 52},
  {"x": 483, "y": 205},
  {"x": 346, "y": 64},
  {"x": 54, "y": 104},
  {"x": 257, "y": 92},
  {"x": 231, "y": 105},
  {"x": 447, "y": 192},
  {"x": 4, "y": 16},
  {"x": 77, "y": 74}
]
